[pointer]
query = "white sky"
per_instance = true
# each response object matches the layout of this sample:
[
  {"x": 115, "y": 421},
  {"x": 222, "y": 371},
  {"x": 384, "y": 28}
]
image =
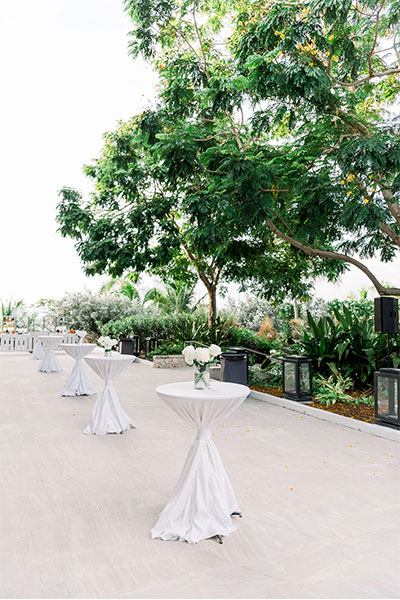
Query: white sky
[{"x": 66, "y": 79}]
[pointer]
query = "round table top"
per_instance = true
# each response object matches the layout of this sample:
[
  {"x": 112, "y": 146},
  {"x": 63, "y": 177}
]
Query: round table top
[
  {"x": 73, "y": 345},
  {"x": 218, "y": 390},
  {"x": 114, "y": 357},
  {"x": 78, "y": 350},
  {"x": 46, "y": 338}
]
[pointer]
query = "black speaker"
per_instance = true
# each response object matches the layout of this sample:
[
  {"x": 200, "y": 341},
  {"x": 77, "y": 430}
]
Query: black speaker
[{"x": 386, "y": 315}]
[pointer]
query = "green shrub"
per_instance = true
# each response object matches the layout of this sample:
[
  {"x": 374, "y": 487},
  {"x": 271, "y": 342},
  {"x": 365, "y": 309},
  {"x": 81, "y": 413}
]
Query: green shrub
[
  {"x": 270, "y": 376},
  {"x": 332, "y": 390},
  {"x": 167, "y": 349},
  {"x": 347, "y": 346},
  {"x": 249, "y": 339},
  {"x": 174, "y": 328},
  {"x": 85, "y": 310}
]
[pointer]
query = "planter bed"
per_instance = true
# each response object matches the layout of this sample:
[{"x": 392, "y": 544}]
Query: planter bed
[{"x": 361, "y": 412}]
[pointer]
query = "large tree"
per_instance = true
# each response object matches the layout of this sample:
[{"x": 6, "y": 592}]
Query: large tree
[
  {"x": 268, "y": 157},
  {"x": 155, "y": 208},
  {"x": 317, "y": 160}
]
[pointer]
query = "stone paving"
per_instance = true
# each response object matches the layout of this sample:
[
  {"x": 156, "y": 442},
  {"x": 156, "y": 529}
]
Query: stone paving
[{"x": 320, "y": 502}]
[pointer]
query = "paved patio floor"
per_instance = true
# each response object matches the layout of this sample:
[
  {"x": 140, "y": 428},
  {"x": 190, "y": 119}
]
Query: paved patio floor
[{"x": 321, "y": 503}]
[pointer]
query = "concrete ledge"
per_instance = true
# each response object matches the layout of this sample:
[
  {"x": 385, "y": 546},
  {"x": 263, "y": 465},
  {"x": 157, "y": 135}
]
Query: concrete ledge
[
  {"x": 378, "y": 430},
  {"x": 168, "y": 361}
]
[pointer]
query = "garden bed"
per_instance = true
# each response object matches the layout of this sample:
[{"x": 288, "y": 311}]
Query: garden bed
[{"x": 361, "y": 412}]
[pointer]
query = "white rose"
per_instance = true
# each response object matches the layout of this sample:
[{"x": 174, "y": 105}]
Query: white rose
[
  {"x": 202, "y": 355},
  {"x": 214, "y": 350},
  {"x": 189, "y": 353}
]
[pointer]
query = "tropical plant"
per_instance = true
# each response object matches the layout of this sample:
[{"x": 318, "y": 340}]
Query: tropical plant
[
  {"x": 333, "y": 389},
  {"x": 10, "y": 307},
  {"x": 346, "y": 346},
  {"x": 268, "y": 376},
  {"x": 122, "y": 285},
  {"x": 176, "y": 298}
]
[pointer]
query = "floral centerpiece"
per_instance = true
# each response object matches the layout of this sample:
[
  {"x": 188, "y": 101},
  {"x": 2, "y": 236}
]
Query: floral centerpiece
[
  {"x": 81, "y": 334},
  {"x": 107, "y": 343},
  {"x": 201, "y": 358}
]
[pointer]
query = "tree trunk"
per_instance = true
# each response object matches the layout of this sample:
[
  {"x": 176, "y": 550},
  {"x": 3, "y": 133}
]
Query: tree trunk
[
  {"x": 212, "y": 304},
  {"x": 296, "y": 309}
]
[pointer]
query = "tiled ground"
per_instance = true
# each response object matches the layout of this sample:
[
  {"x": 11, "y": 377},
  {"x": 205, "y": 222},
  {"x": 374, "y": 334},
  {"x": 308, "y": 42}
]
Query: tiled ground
[{"x": 321, "y": 502}]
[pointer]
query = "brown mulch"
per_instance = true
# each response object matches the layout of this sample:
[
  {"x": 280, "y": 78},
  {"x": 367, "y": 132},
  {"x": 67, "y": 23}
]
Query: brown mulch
[{"x": 362, "y": 412}]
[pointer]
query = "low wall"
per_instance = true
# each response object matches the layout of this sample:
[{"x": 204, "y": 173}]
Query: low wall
[{"x": 168, "y": 361}]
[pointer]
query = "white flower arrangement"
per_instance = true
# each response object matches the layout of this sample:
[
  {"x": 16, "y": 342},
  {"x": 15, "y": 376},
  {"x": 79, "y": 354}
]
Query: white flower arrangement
[
  {"x": 106, "y": 342},
  {"x": 201, "y": 357},
  {"x": 81, "y": 335}
]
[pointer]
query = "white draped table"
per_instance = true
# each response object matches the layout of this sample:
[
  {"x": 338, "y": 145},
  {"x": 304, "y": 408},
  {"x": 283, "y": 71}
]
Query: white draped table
[
  {"x": 107, "y": 415},
  {"x": 38, "y": 350},
  {"x": 78, "y": 383},
  {"x": 203, "y": 499},
  {"x": 49, "y": 363}
]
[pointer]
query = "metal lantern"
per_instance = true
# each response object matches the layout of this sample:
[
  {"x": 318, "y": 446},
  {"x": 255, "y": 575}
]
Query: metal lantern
[
  {"x": 136, "y": 345},
  {"x": 151, "y": 343},
  {"x": 387, "y": 397},
  {"x": 130, "y": 345},
  {"x": 125, "y": 346},
  {"x": 297, "y": 378}
]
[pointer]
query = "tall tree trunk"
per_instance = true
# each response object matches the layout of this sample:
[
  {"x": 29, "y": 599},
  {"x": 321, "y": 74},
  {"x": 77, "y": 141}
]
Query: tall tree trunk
[
  {"x": 212, "y": 304},
  {"x": 296, "y": 309}
]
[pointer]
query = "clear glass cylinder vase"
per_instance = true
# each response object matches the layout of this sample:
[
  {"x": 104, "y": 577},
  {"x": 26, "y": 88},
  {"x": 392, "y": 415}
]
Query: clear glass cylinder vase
[
  {"x": 202, "y": 377},
  {"x": 107, "y": 352}
]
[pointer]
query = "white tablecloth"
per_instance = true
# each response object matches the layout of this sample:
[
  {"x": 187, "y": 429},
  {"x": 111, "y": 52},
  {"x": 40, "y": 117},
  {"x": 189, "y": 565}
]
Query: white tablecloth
[
  {"x": 78, "y": 383},
  {"x": 203, "y": 499},
  {"x": 49, "y": 363},
  {"x": 38, "y": 350},
  {"x": 107, "y": 415}
]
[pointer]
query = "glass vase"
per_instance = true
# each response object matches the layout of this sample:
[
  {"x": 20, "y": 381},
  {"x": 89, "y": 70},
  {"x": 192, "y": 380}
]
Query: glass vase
[
  {"x": 107, "y": 352},
  {"x": 202, "y": 377}
]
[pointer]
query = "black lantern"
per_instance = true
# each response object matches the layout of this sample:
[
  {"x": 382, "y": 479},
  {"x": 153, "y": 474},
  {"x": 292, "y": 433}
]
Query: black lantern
[
  {"x": 387, "y": 397},
  {"x": 136, "y": 345},
  {"x": 297, "y": 378},
  {"x": 151, "y": 343},
  {"x": 130, "y": 345}
]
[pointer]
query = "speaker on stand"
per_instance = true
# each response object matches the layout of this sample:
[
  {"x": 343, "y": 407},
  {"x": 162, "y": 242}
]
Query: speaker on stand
[{"x": 386, "y": 313}]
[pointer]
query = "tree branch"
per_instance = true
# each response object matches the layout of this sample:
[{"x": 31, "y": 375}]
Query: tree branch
[
  {"x": 367, "y": 78},
  {"x": 331, "y": 255},
  {"x": 386, "y": 229}
]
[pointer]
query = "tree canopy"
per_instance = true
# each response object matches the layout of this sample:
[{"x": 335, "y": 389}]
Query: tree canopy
[
  {"x": 314, "y": 87},
  {"x": 272, "y": 154}
]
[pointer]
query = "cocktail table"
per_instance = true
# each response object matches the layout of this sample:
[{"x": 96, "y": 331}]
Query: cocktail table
[
  {"x": 203, "y": 500},
  {"x": 107, "y": 415},
  {"x": 49, "y": 363},
  {"x": 78, "y": 383}
]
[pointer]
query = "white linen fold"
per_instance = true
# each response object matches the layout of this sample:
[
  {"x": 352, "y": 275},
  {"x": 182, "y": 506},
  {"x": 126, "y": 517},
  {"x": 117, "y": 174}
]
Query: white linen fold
[
  {"x": 78, "y": 383},
  {"x": 49, "y": 363},
  {"x": 203, "y": 499},
  {"x": 107, "y": 414}
]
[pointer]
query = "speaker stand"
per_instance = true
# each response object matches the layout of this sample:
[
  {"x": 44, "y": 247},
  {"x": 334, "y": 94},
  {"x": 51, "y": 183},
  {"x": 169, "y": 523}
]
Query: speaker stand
[{"x": 388, "y": 360}]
